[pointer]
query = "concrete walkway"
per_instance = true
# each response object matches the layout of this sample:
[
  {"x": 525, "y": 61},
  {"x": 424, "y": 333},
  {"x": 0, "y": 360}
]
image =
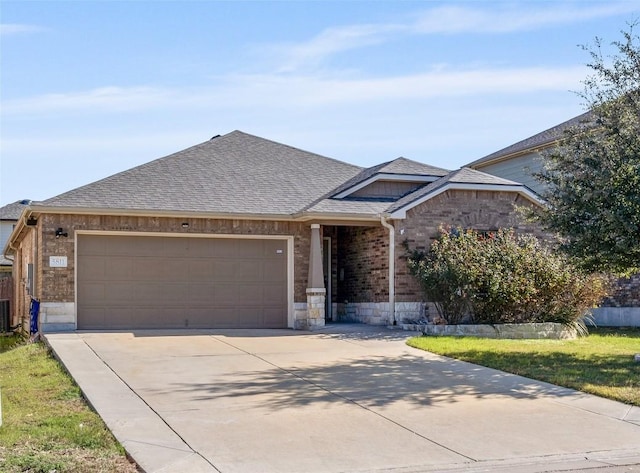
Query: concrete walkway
[{"x": 350, "y": 398}]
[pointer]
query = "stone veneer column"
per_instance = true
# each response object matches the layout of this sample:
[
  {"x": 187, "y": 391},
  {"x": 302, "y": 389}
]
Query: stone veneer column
[{"x": 316, "y": 291}]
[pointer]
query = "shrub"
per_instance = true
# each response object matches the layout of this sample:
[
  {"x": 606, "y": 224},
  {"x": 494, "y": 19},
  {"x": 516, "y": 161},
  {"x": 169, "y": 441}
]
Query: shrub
[{"x": 503, "y": 277}]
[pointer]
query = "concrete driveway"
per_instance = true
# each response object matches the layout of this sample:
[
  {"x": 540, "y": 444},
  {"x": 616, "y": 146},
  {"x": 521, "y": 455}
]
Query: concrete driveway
[{"x": 350, "y": 398}]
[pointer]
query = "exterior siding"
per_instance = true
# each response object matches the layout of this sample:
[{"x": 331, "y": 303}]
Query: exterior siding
[
  {"x": 6, "y": 227},
  {"x": 389, "y": 189},
  {"x": 518, "y": 169}
]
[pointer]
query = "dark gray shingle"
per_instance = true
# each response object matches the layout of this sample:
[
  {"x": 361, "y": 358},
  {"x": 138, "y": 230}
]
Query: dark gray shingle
[
  {"x": 236, "y": 173},
  {"x": 536, "y": 141}
]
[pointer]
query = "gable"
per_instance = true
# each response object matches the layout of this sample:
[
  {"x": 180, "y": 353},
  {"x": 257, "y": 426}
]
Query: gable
[{"x": 386, "y": 189}]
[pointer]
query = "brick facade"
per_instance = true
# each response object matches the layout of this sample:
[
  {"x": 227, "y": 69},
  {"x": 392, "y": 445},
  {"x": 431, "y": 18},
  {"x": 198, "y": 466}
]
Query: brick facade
[
  {"x": 480, "y": 210},
  {"x": 359, "y": 279},
  {"x": 58, "y": 284}
]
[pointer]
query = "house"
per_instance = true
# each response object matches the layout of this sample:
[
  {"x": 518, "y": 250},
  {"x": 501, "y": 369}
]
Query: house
[
  {"x": 241, "y": 231},
  {"x": 520, "y": 162},
  {"x": 9, "y": 215}
]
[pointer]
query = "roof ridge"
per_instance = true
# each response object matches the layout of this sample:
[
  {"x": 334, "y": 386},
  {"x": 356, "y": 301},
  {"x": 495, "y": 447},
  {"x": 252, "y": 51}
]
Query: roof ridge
[{"x": 538, "y": 140}]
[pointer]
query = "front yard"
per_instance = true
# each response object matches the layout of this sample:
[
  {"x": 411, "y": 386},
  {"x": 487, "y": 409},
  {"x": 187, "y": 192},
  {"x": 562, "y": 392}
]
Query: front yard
[
  {"x": 46, "y": 425},
  {"x": 601, "y": 364}
]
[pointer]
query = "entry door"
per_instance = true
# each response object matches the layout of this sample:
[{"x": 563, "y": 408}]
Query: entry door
[{"x": 326, "y": 271}]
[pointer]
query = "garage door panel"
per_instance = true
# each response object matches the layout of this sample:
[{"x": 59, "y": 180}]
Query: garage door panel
[
  {"x": 152, "y": 293},
  {"x": 273, "y": 294},
  {"x": 120, "y": 317},
  {"x": 92, "y": 246},
  {"x": 222, "y": 317},
  {"x": 118, "y": 268},
  {"x": 253, "y": 249},
  {"x": 155, "y": 317},
  {"x": 224, "y": 248},
  {"x": 148, "y": 269},
  {"x": 273, "y": 248},
  {"x": 154, "y": 282},
  {"x": 94, "y": 318},
  {"x": 223, "y": 270},
  {"x": 177, "y": 247},
  {"x": 119, "y": 293},
  {"x": 94, "y": 268},
  {"x": 272, "y": 317},
  {"x": 199, "y": 269},
  {"x": 249, "y": 316},
  {"x": 177, "y": 269},
  {"x": 249, "y": 270},
  {"x": 175, "y": 293},
  {"x": 224, "y": 294},
  {"x": 274, "y": 270}
]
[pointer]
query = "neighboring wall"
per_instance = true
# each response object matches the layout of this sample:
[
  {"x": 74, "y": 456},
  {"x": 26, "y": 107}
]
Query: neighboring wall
[
  {"x": 23, "y": 287},
  {"x": 6, "y": 227},
  {"x": 518, "y": 169}
]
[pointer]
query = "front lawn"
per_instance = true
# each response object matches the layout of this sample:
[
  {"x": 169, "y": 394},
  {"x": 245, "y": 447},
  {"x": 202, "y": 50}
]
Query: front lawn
[
  {"x": 46, "y": 424},
  {"x": 600, "y": 364}
]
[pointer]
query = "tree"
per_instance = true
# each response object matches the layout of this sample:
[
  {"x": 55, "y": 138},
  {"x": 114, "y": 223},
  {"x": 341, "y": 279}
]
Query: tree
[{"x": 593, "y": 175}]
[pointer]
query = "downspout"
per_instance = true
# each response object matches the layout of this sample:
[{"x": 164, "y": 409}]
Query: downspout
[{"x": 392, "y": 269}]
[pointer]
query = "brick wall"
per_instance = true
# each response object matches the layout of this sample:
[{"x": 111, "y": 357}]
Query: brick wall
[
  {"x": 480, "y": 210},
  {"x": 363, "y": 268},
  {"x": 58, "y": 283},
  {"x": 626, "y": 293}
]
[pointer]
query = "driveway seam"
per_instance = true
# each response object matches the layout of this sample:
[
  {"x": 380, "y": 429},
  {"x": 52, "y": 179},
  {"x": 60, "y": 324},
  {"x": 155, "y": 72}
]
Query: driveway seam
[
  {"x": 345, "y": 398},
  {"x": 148, "y": 406}
]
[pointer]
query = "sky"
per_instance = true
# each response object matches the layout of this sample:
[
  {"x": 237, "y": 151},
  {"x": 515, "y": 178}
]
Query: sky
[{"x": 92, "y": 88}]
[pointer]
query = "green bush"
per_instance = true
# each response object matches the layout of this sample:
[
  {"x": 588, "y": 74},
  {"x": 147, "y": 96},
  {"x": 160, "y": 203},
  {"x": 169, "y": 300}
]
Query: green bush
[{"x": 502, "y": 277}]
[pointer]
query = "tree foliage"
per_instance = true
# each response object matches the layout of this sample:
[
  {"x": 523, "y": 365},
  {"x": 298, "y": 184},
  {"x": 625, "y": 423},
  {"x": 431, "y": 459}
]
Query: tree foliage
[
  {"x": 502, "y": 277},
  {"x": 593, "y": 176}
]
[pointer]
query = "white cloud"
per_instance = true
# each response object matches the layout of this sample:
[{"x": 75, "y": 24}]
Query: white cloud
[
  {"x": 499, "y": 18},
  {"x": 515, "y": 17},
  {"x": 282, "y": 91},
  {"x": 331, "y": 41},
  {"x": 7, "y": 29}
]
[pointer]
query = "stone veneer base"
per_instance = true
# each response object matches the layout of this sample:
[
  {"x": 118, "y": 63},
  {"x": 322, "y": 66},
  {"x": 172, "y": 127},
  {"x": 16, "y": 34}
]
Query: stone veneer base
[{"x": 510, "y": 331}]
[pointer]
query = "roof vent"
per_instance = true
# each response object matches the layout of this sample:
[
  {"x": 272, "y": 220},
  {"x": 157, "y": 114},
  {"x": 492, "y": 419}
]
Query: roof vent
[
  {"x": 214, "y": 137},
  {"x": 25, "y": 202}
]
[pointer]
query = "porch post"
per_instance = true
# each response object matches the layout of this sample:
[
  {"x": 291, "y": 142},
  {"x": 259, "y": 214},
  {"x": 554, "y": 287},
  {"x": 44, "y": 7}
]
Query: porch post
[{"x": 316, "y": 291}]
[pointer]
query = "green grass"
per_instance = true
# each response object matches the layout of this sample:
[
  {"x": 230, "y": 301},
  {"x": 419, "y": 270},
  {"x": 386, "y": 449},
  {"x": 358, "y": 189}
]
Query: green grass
[
  {"x": 46, "y": 424},
  {"x": 600, "y": 364}
]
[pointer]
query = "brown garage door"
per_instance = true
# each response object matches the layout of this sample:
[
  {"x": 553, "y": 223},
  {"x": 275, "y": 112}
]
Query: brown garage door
[{"x": 129, "y": 282}]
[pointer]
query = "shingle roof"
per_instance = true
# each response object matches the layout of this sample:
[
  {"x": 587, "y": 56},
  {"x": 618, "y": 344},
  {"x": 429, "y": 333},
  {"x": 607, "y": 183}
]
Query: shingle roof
[
  {"x": 240, "y": 173},
  {"x": 369, "y": 208},
  {"x": 14, "y": 210},
  {"x": 461, "y": 176},
  {"x": 534, "y": 142},
  {"x": 408, "y": 166},
  {"x": 236, "y": 173},
  {"x": 397, "y": 166}
]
